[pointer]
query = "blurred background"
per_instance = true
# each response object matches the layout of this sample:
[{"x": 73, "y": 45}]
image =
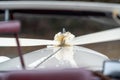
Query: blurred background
[
  {"x": 108, "y": 1},
  {"x": 45, "y": 27}
]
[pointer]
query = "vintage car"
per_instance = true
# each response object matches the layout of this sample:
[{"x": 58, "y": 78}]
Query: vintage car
[{"x": 64, "y": 51}]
